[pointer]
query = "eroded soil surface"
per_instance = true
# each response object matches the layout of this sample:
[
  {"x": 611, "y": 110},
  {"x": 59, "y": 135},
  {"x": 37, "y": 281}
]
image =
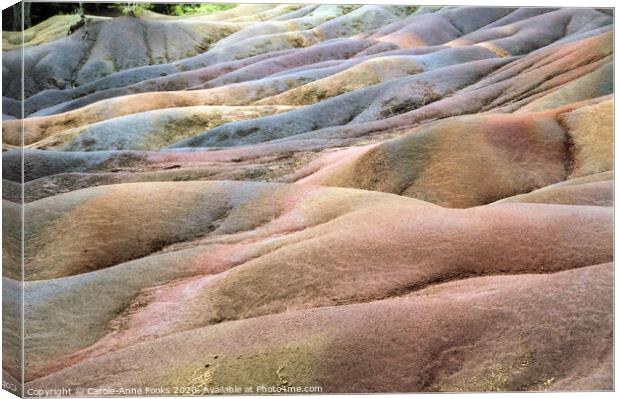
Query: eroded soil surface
[{"x": 361, "y": 198}]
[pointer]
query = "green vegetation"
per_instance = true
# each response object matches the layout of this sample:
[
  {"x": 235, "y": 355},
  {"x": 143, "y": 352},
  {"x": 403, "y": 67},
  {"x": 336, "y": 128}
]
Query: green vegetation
[
  {"x": 35, "y": 13},
  {"x": 134, "y": 9},
  {"x": 199, "y": 8}
]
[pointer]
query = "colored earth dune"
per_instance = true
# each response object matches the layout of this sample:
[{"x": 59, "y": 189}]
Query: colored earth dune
[{"x": 363, "y": 198}]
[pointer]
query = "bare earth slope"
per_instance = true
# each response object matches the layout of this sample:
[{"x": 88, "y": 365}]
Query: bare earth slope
[{"x": 357, "y": 198}]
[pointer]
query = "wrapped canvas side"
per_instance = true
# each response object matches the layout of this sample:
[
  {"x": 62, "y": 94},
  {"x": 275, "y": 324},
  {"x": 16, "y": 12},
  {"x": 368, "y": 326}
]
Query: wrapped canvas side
[{"x": 13, "y": 219}]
